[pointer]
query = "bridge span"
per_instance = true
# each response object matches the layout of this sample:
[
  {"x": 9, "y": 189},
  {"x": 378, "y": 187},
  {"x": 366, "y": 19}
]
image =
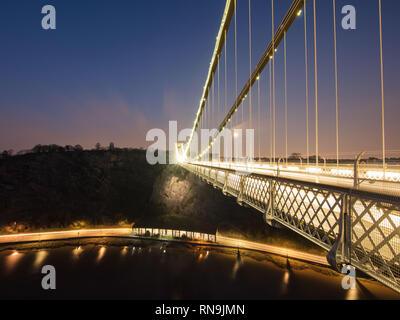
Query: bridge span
[
  {"x": 349, "y": 208},
  {"x": 354, "y": 226}
]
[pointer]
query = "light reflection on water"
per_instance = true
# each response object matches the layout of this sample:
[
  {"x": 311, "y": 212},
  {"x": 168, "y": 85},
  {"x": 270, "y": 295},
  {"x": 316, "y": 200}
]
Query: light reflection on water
[
  {"x": 101, "y": 253},
  {"x": 285, "y": 282},
  {"x": 201, "y": 255},
  {"x": 286, "y": 278},
  {"x": 124, "y": 251},
  {"x": 77, "y": 251},
  {"x": 12, "y": 260},
  {"x": 352, "y": 294},
  {"x": 40, "y": 257},
  {"x": 237, "y": 265},
  {"x": 169, "y": 274}
]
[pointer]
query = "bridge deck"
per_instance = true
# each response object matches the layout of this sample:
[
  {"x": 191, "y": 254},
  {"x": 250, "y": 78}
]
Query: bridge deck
[
  {"x": 371, "y": 178},
  {"x": 356, "y": 226}
]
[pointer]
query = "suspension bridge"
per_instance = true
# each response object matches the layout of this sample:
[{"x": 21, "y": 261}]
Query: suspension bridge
[{"x": 347, "y": 204}]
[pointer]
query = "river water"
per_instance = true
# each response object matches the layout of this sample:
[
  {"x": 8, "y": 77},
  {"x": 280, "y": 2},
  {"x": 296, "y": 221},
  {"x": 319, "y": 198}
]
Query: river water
[{"x": 134, "y": 269}]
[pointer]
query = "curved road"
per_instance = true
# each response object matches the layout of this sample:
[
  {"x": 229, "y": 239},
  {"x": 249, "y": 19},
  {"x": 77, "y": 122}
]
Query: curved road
[{"x": 127, "y": 233}]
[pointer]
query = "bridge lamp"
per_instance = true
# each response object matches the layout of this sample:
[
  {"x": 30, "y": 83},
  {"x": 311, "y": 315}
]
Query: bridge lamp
[{"x": 299, "y": 13}]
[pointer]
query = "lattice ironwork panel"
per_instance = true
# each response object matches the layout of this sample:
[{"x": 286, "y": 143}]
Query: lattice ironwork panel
[
  {"x": 207, "y": 173},
  {"x": 213, "y": 175},
  {"x": 221, "y": 178},
  {"x": 376, "y": 237},
  {"x": 315, "y": 212},
  {"x": 256, "y": 191},
  {"x": 233, "y": 185}
]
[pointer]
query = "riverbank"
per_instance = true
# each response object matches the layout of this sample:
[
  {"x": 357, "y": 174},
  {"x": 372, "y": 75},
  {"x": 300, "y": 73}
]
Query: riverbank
[{"x": 220, "y": 241}]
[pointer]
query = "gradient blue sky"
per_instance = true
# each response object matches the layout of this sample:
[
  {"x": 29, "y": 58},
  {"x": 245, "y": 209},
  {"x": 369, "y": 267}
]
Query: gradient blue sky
[{"x": 114, "y": 69}]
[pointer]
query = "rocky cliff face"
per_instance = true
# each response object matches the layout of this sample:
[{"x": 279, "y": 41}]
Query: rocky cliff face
[{"x": 180, "y": 193}]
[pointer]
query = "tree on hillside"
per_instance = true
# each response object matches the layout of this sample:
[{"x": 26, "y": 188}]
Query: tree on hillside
[
  {"x": 295, "y": 156},
  {"x": 55, "y": 148},
  {"x": 78, "y": 147},
  {"x": 98, "y": 146},
  {"x": 37, "y": 149}
]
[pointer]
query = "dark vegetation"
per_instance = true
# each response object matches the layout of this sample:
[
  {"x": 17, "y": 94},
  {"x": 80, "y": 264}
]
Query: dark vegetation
[
  {"x": 67, "y": 187},
  {"x": 57, "y": 189}
]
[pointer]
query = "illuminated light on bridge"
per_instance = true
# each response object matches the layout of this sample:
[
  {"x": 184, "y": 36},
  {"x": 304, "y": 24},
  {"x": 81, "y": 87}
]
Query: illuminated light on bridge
[
  {"x": 342, "y": 172},
  {"x": 378, "y": 175},
  {"x": 350, "y": 206}
]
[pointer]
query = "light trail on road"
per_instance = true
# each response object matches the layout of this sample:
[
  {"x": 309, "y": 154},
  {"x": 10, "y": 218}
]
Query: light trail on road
[{"x": 127, "y": 233}]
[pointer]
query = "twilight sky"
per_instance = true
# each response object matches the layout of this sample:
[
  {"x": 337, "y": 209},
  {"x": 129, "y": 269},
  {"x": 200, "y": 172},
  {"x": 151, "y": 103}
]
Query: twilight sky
[{"x": 115, "y": 69}]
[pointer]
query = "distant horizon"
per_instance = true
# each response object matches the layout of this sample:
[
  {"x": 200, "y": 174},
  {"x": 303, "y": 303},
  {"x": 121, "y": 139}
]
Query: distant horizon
[
  {"x": 106, "y": 147},
  {"x": 93, "y": 81}
]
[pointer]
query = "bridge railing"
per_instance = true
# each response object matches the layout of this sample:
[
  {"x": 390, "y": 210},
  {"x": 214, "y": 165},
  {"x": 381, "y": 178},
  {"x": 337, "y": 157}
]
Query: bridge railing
[
  {"x": 357, "y": 227},
  {"x": 370, "y": 172},
  {"x": 375, "y": 238},
  {"x": 369, "y": 177}
]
